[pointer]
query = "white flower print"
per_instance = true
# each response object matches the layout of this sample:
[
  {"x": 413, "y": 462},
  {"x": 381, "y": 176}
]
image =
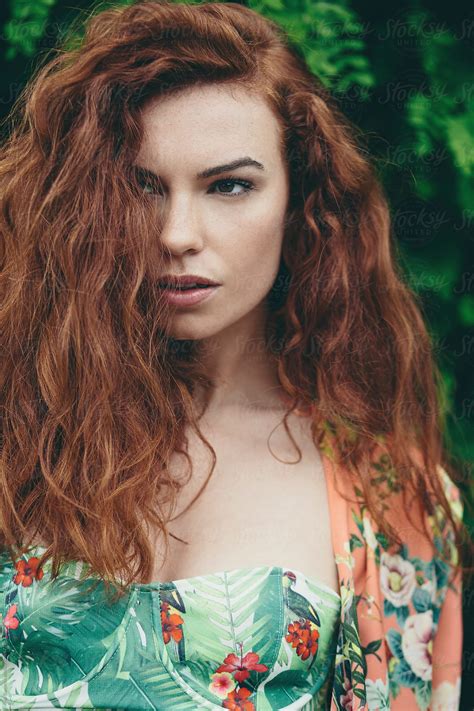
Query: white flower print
[
  {"x": 446, "y": 696},
  {"x": 397, "y": 579},
  {"x": 377, "y": 695},
  {"x": 417, "y": 643},
  {"x": 369, "y": 534},
  {"x": 348, "y": 559}
]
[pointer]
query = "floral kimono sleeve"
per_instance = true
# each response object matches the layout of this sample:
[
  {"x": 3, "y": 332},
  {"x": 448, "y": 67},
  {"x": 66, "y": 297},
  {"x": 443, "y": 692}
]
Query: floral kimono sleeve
[
  {"x": 447, "y": 645},
  {"x": 401, "y": 619},
  {"x": 420, "y": 606}
]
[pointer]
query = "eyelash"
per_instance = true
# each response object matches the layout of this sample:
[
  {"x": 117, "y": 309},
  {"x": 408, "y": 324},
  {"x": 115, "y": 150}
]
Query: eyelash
[{"x": 246, "y": 184}]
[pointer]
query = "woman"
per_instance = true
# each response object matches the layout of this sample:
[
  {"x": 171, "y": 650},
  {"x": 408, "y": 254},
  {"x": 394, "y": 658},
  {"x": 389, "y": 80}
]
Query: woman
[{"x": 193, "y": 141}]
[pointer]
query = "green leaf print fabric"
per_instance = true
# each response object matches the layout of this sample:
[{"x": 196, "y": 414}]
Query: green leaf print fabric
[{"x": 253, "y": 638}]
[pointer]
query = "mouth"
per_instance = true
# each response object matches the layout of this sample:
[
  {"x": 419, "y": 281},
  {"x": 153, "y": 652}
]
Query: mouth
[
  {"x": 187, "y": 287},
  {"x": 188, "y": 295}
]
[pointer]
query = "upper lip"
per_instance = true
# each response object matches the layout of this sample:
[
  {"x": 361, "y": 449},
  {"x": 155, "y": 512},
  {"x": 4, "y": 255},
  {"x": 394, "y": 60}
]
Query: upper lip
[{"x": 176, "y": 280}]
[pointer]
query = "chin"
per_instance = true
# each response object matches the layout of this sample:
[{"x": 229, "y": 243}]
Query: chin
[{"x": 192, "y": 332}]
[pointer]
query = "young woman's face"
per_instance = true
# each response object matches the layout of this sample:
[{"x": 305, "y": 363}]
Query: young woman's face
[{"x": 227, "y": 226}]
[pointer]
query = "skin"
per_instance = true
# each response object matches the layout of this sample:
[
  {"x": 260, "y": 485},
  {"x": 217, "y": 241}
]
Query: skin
[
  {"x": 236, "y": 241},
  {"x": 216, "y": 229}
]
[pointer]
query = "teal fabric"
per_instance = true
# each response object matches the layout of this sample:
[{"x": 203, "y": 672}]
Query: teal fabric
[{"x": 257, "y": 638}]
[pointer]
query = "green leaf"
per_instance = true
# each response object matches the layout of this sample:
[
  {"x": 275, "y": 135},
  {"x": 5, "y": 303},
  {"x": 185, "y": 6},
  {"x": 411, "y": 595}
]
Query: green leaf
[
  {"x": 372, "y": 646},
  {"x": 466, "y": 309},
  {"x": 460, "y": 132},
  {"x": 330, "y": 37},
  {"x": 359, "y": 678},
  {"x": 423, "y": 696},
  {"x": 26, "y": 26},
  {"x": 274, "y": 4},
  {"x": 355, "y": 542}
]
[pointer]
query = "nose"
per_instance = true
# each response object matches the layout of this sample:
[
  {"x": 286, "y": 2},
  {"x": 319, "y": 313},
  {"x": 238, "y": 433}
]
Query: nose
[{"x": 181, "y": 229}]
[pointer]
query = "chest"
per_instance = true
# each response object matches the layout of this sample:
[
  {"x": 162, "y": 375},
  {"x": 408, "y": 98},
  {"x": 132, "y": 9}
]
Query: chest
[{"x": 265, "y": 504}]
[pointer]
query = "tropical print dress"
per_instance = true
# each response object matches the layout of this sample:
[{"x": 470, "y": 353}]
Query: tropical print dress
[{"x": 252, "y": 638}]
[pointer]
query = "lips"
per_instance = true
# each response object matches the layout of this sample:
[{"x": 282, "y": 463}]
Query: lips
[
  {"x": 185, "y": 281},
  {"x": 189, "y": 295},
  {"x": 183, "y": 287}
]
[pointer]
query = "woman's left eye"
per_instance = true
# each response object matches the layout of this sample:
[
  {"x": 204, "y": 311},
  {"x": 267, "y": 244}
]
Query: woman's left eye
[
  {"x": 150, "y": 187},
  {"x": 245, "y": 184}
]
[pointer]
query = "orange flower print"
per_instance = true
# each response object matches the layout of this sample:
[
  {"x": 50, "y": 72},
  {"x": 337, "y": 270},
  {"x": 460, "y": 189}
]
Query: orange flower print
[
  {"x": 10, "y": 621},
  {"x": 237, "y": 700},
  {"x": 27, "y": 571},
  {"x": 309, "y": 643},
  {"x": 293, "y": 636},
  {"x": 303, "y": 638},
  {"x": 170, "y": 624},
  {"x": 242, "y": 667}
]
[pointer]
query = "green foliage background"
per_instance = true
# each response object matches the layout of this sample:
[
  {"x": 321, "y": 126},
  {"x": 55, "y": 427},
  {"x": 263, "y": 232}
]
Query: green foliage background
[{"x": 403, "y": 73}]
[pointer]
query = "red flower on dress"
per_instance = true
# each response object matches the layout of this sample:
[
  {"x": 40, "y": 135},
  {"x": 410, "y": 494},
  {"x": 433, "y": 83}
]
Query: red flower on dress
[
  {"x": 294, "y": 633},
  {"x": 303, "y": 638},
  {"x": 10, "y": 621},
  {"x": 242, "y": 667},
  {"x": 237, "y": 700},
  {"x": 309, "y": 643},
  {"x": 27, "y": 571},
  {"x": 170, "y": 624}
]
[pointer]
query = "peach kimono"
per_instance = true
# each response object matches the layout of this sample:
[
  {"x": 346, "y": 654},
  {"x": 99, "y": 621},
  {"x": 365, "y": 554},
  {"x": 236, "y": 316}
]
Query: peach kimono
[{"x": 400, "y": 637}]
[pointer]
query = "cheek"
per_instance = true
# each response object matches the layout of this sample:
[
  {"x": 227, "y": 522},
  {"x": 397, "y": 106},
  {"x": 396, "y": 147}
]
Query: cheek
[{"x": 256, "y": 256}]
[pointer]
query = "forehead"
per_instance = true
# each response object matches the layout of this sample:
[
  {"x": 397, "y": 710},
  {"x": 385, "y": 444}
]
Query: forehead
[{"x": 209, "y": 122}]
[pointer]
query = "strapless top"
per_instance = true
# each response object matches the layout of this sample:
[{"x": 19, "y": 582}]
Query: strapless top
[{"x": 256, "y": 638}]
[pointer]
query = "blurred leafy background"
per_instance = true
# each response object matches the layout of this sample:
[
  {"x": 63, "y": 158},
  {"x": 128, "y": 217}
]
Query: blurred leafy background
[{"x": 401, "y": 71}]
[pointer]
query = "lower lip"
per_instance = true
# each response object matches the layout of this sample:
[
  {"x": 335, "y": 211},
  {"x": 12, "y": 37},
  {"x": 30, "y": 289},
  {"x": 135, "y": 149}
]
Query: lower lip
[{"x": 188, "y": 297}]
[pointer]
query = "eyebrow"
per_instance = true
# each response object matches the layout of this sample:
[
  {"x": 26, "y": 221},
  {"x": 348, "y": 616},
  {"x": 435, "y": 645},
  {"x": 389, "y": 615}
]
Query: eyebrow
[
  {"x": 217, "y": 169},
  {"x": 239, "y": 163}
]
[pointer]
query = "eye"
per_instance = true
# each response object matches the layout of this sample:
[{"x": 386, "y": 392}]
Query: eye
[
  {"x": 149, "y": 189},
  {"x": 245, "y": 184},
  {"x": 152, "y": 186},
  {"x": 147, "y": 181}
]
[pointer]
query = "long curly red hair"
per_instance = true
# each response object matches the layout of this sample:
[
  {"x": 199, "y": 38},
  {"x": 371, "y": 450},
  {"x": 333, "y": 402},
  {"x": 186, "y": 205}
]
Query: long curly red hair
[{"x": 96, "y": 397}]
